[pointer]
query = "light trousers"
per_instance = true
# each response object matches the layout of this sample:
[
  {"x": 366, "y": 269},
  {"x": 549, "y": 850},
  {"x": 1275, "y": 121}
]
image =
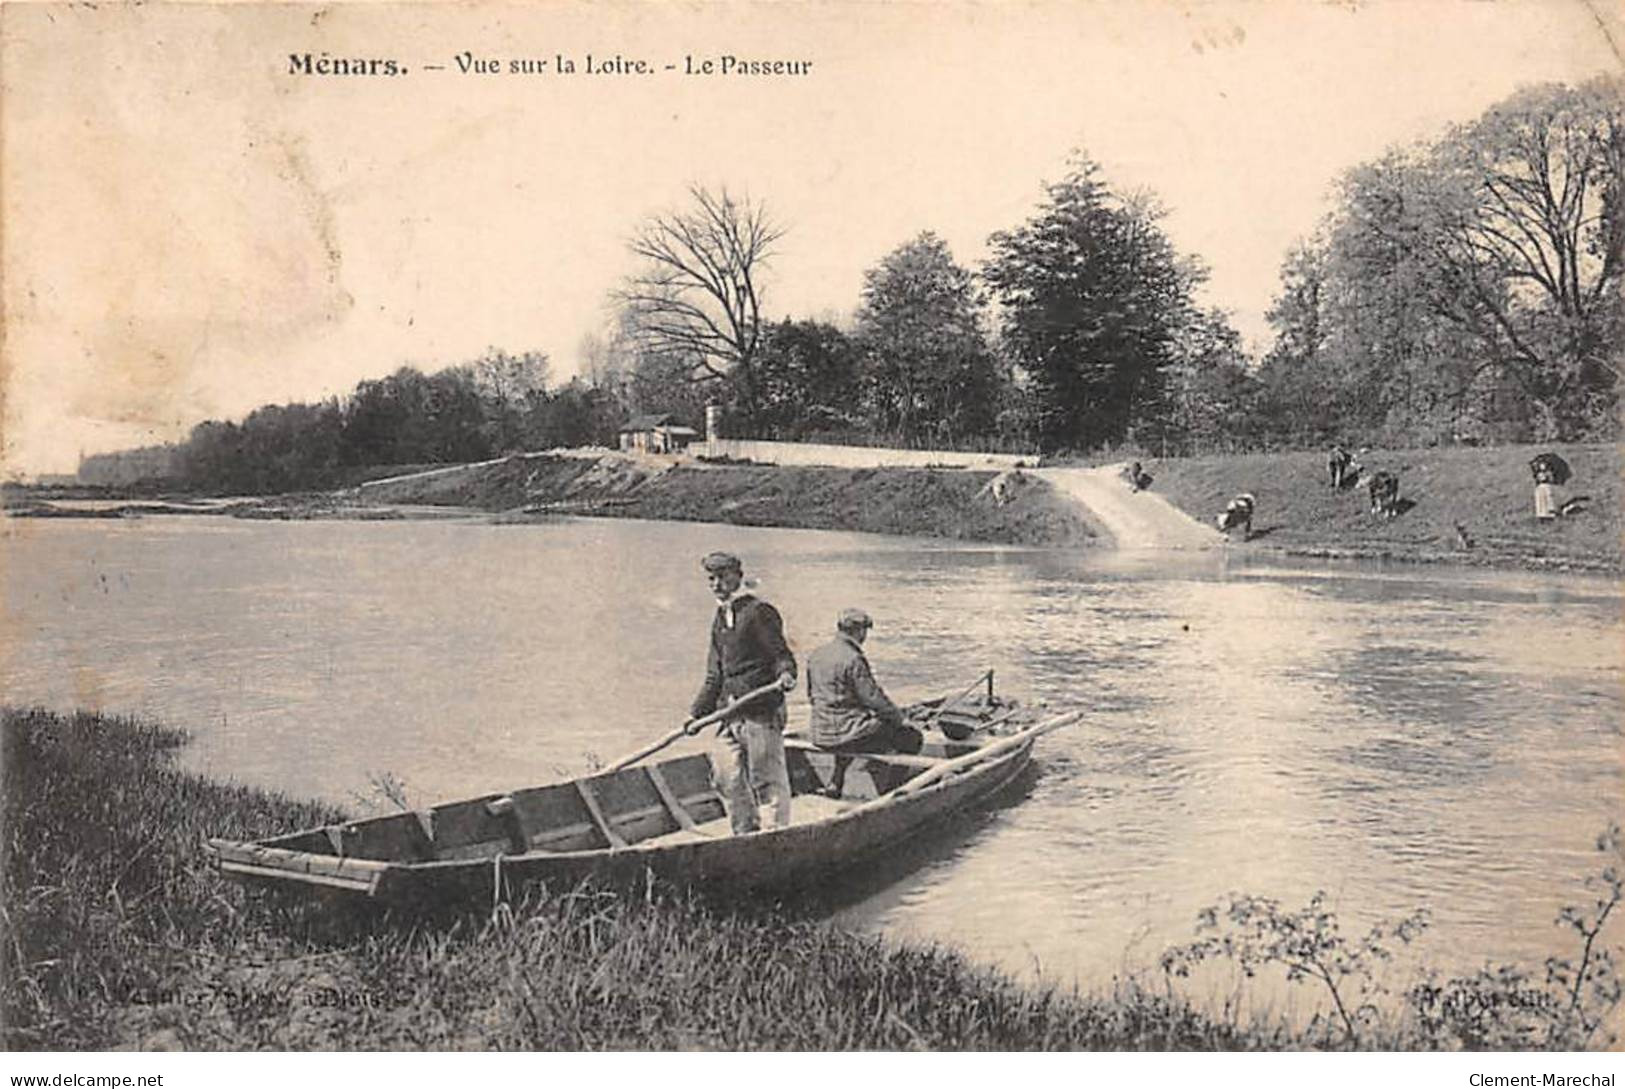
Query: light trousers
[{"x": 751, "y": 770}]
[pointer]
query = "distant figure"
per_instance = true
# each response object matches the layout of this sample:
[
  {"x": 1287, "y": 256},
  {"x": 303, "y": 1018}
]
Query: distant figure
[
  {"x": 1137, "y": 478},
  {"x": 1354, "y": 471},
  {"x": 1463, "y": 541},
  {"x": 1384, "y": 492},
  {"x": 1337, "y": 465},
  {"x": 1003, "y": 487},
  {"x": 747, "y": 650},
  {"x": 1238, "y": 512},
  {"x": 1549, "y": 471},
  {"x": 851, "y": 713}
]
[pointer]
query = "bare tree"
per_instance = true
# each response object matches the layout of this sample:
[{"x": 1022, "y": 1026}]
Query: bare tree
[{"x": 697, "y": 296}]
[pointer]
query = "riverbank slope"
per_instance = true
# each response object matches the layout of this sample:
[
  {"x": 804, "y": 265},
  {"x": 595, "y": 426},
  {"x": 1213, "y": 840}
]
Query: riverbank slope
[
  {"x": 1485, "y": 491},
  {"x": 958, "y": 504}
]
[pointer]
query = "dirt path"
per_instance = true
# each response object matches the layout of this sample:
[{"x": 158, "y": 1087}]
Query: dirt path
[{"x": 1134, "y": 519}]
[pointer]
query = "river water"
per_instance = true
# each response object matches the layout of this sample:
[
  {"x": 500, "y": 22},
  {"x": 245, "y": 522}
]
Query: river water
[{"x": 1400, "y": 738}]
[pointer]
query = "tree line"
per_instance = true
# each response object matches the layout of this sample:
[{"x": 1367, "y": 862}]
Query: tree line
[
  {"x": 498, "y": 404},
  {"x": 1463, "y": 289}
]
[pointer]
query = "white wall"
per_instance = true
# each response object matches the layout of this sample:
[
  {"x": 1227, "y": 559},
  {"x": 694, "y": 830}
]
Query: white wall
[{"x": 853, "y": 457}]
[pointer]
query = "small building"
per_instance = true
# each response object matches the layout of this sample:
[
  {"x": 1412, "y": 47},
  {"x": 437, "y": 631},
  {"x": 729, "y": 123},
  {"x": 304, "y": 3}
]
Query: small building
[{"x": 655, "y": 434}]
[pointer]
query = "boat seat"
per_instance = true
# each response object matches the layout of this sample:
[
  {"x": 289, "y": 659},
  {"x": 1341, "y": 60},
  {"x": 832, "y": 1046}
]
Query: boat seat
[{"x": 902, "y": 760}]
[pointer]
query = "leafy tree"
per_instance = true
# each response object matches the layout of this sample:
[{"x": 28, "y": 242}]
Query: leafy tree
[
  {"x": 1296, "y": 404},
  {"x": 662, "y": 382},
  {"x": 698, "y": 296},
  {"x": 604, "y": 359},
  {"x": 1092, "y": 292},
  {"x": 459, "y": 414},
  {"x": 211, "y": 457},
  {"x": 288, "y": 447},
  {"x": 1209, "y": 394},
  {"x": 1015, "y": 410},
  {"x": 807, "y": 380},
  {"x": 1298, "y": 311},
  {"x": 577, "y": 414},
  {"x": 1344, "y": 327},
  {"x": 453, "y": 426},
  {"x": 378, "y": 416},
  {"x": 1510, "y": 230},
  {"x": 621, "y": 366},
  {"x": 927, "y": 369},
  {"x": 409, "y": 417},
  {"x": 1465, "y": 288},
  {"x": 510, "y": 388}
]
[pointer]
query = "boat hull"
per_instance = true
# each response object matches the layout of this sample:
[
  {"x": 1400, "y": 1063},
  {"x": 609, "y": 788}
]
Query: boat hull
[
  {"x": 779, "y": 859},
  {"x": 662, "y": 823}
]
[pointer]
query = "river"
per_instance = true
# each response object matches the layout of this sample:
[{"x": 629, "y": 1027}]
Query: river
[{"x": 1400, "y": 738}]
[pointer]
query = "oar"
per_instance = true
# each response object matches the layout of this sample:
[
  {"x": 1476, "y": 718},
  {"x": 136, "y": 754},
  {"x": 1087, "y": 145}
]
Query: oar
[
  {"x": 693, "y": 727},
  {"x": 997, "y": 748}
]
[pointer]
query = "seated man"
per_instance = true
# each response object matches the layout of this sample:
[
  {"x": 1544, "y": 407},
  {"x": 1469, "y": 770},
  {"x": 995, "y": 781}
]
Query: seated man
[{"x": 850, "y": 712}]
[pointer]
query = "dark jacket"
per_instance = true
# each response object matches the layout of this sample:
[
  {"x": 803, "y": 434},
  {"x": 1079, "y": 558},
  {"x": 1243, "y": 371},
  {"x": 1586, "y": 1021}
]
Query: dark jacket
[
  {"x": 847, "y": 704},
  {"x": 746, "y": 656}
]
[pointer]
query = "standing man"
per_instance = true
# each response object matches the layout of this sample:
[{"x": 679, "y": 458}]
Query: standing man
[
  {"x": 850, "y": 712},
  {"x": 1337, "y": 465},
  {"x": 747, "y": 651}
]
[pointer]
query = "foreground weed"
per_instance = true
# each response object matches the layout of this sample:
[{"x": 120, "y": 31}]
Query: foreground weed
[
  {"x": 1499, "y": 1007},
  {"x": 1592, "y": 984},
  {"x": 386, "y": 789},
  {"x": 1506, "y": 1007},
  {"x": 1308, "y": 943}
]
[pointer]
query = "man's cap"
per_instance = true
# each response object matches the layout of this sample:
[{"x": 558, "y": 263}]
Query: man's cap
[
  {"x": 854, "y": 618},
  {"x": 722, "y": 561}
]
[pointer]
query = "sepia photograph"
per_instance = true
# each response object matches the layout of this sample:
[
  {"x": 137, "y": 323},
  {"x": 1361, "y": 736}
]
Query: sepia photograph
[{"x": 812, "y": 526}]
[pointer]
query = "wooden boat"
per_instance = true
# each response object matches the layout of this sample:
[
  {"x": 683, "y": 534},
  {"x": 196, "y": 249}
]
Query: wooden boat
[{"x": 662, "y": 819}]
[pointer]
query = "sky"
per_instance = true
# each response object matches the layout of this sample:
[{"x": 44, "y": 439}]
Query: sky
[{"x": 192, "y": 230}]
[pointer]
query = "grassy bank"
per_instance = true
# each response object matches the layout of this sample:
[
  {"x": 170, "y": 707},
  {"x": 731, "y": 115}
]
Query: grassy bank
[
  {"x": 951, "y": 504},
  {"x": 1486, "y": 491},
  {"x": 117, "y": 935}
]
